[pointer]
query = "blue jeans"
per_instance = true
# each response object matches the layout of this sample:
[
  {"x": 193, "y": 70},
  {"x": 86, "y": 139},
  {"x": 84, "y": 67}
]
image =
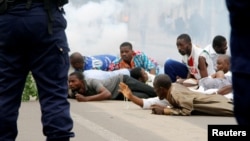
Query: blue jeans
[
  {"x": 174, "y": 68},
  {"x": 25, "y": 46}
]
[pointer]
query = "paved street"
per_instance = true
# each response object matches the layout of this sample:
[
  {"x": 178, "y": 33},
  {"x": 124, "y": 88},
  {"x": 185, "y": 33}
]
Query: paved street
[{"x": 119, "y": 121}]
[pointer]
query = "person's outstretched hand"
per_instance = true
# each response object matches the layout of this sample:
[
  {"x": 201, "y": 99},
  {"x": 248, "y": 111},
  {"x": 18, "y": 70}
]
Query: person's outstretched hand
[
  {"x": 125, "y": 90},
  {"x": 157, "y": 109}
]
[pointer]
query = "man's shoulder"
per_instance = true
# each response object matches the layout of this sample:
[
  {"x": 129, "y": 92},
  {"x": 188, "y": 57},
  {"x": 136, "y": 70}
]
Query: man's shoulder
[
  {"x": 94, "y": 73},
  {"x": 208, "y": 47},
  {"x": 138, "y": 53},
  {"x": 104, "y": 56},
  {"x": 92, "y": 81}
]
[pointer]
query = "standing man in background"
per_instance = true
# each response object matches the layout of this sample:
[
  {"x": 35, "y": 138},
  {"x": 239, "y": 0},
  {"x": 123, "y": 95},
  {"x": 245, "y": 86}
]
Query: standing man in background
[
  {"x": 239, "y": 11},
  {"x": 33, "y": 39}
]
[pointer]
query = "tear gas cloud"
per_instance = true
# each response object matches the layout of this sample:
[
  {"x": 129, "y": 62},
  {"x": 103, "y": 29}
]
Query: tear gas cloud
[{"x": 100, "y": 26}]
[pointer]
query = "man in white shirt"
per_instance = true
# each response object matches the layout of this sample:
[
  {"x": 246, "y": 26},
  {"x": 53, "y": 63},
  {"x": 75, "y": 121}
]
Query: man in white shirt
[
  {"x": 196, "y": 63},
  {"x": 218, "y": 46}
]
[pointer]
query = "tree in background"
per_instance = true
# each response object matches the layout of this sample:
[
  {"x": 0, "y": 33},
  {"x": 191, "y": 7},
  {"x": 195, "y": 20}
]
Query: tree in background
[{"x": 30, "y": 89}]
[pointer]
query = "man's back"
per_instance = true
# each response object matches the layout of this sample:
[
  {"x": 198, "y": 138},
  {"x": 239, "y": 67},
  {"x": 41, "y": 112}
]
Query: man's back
[
  {"x": 100, "y": 62},
  {"x": 100, "y": 74},
  {"x": 188, "y": 101},
  {"x": 112, "y": 84}
]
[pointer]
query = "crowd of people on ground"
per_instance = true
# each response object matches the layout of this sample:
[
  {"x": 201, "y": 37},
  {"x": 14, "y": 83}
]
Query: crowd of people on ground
[
  {"x": 22, "y": 50},
  {"x": 200, "y": 83}
]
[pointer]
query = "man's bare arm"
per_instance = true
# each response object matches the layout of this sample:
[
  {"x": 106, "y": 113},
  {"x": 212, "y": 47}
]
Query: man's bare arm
[
  {"x": 125, "y": 90},
  {"x": 202, "y": 66}
]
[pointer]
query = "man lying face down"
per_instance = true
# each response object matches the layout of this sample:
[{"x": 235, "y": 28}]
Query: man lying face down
[
  {"x": 90, "y": 89},
  {"x": 183, "y": 101}
]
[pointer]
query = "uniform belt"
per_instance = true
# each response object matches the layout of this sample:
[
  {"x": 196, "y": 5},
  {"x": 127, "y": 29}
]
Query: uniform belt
[
  {"x": 11, "y": 3},
  {"x": 23, "y": 1}
]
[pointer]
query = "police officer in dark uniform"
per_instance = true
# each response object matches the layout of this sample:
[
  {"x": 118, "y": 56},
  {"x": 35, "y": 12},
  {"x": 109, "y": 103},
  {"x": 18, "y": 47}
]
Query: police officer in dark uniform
[
  {"x": 239, "y": 14},
  {"x": 32, "y": 38}
]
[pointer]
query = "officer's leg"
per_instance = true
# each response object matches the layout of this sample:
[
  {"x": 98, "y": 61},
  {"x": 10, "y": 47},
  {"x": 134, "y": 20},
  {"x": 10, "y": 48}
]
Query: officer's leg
[
  {"x": 241, "y": 97},
  {"x": 13, "y": 72},
  {"x": 240, "y": 66},
  {"x": 174, "y": 68},
  {"x": 50, "y": 65},
  {"x": 12, "y": 82}
]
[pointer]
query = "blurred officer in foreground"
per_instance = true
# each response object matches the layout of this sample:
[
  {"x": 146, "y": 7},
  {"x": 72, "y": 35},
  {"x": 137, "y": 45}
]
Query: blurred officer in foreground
[
  {"x": 239, "y": 11},
  {"x": 33, "y": 39}
]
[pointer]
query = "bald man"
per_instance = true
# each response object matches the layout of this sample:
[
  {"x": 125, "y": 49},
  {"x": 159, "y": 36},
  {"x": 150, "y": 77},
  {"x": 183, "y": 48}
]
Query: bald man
[{"x": 99, "y": 62}]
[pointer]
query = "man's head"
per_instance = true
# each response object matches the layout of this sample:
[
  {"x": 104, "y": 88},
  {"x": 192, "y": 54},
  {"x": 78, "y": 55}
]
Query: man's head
[
  {"x": 126, "y": 52},
  {"x": 162, "y": 84},
  {"x": 223, "y": 63},
  {"x": 220, "y": 44},
  {"x": 77, "y": 61},
  {"x": 184, "y": 44},
  {"x": 76, "y": 82},
  {"x": 139, "y": 74}
]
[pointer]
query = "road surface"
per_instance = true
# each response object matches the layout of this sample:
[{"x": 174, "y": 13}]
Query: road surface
[{"x": 119, "y": 121}]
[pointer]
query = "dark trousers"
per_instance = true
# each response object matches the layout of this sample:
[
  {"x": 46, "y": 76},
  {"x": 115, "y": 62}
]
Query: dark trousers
[
  {"x": 241, "y": 98},
  {"x": 240, "y": 58},
  {"x": 25, "y": 45},
  {"x": 174, "y": 68},
  {"x": 139, "y": 88}
]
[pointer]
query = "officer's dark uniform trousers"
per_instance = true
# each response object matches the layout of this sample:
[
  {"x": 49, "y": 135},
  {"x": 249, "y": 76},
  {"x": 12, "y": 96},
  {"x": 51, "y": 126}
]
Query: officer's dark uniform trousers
[
  {"x": 240, "y": 61},
  {"x": 26, "y": 45}
]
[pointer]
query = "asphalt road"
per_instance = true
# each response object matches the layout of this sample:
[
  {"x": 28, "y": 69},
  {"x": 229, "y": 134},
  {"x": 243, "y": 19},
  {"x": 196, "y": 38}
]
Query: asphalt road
[{"x": 119, "y": 121}]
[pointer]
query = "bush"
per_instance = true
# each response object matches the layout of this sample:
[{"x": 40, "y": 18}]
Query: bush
[{"x": 30, "y": 89}]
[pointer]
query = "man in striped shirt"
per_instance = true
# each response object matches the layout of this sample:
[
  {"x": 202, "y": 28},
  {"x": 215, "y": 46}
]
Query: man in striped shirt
[{"x": 130, "y": 59}]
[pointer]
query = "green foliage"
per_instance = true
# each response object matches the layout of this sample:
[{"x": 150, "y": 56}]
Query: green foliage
[{"x": 30, "y": 89}]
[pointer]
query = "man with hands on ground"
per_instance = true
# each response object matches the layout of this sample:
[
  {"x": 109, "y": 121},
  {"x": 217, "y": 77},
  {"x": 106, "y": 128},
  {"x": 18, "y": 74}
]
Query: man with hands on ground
[
  {"x": 144, "y": 103},
  {"x": 89, "y": 89},
  {"x": 184, "y": 101}
]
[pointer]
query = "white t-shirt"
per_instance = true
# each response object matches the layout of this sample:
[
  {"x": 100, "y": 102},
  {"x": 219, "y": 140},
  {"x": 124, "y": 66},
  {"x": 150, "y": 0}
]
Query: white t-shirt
[
  {"x": 100, "y": 74},
  {"x": 151, "y": 78},
  {"x": 212, "y": 54},
  {"x": 147, "y": 103},
  {"x": 192, "y": 62},
  {"x": 212, "y": 91}
]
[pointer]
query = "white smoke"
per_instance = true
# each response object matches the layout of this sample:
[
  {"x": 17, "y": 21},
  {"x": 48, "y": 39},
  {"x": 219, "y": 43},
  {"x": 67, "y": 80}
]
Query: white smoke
[
  {"x": 100, "y": 26},
  {"x": 93, "y": 27}
]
